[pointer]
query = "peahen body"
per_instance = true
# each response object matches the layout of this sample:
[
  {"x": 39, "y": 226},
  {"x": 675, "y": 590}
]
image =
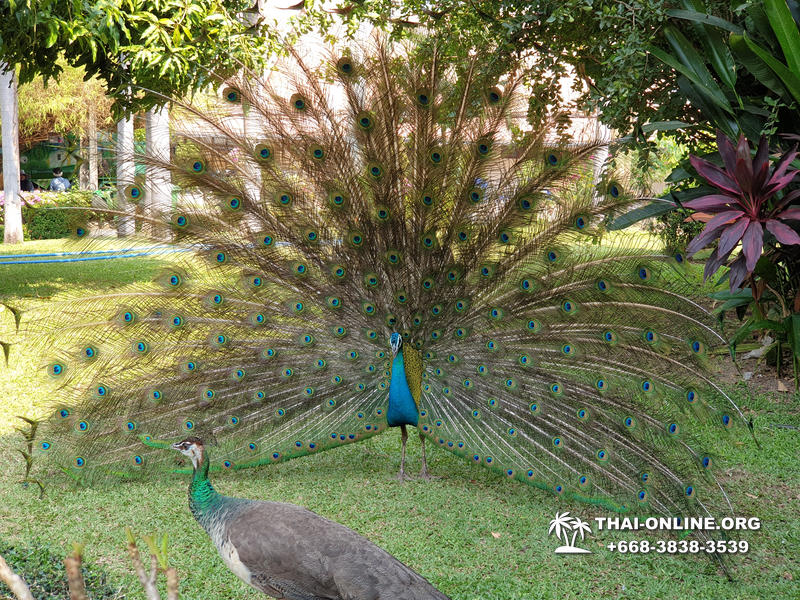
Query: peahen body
[
  {"x": 381, "y": 245},
  {"x": 287, "y": 551}
]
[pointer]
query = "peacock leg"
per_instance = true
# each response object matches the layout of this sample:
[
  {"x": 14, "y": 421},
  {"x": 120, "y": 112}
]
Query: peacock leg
[
  {"x": 403, "y": 438},
  {"x": 424, "y": 471}
]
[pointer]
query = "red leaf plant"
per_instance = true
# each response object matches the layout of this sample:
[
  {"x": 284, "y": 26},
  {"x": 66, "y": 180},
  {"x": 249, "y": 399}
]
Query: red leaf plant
[{"x": 742, "y": 207}]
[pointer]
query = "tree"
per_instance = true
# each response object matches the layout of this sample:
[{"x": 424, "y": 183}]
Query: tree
[
  {"x": 604, "y": 42},
  {"x": 12, "y": 234},
  {"x": 61, "y": 106},
  {"x": 71, "y": 106},
  {"x": 143, "y": 51}
]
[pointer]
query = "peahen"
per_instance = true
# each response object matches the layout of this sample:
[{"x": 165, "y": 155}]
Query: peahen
[
  {"x": 287, "y": 551},
  {"x": 375, "y": 241}
]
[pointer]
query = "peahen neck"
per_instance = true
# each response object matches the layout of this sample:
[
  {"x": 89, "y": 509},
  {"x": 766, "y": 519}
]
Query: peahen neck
[
  {"x": 203, "y": 498},
  {"x": 402, "y": 407}
]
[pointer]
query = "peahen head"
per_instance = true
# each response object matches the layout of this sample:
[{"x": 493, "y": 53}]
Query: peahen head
[
  {"x": 396, "y": 342},
  {"x": 193, "y": 448}
]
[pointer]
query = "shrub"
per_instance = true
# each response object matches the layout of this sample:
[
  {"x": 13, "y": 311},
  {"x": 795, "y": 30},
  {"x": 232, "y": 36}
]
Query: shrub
[
  {"x": 42, "y": 222},
  {"x": 45, "y": 223},
  {"x": 674, "y": 231}
]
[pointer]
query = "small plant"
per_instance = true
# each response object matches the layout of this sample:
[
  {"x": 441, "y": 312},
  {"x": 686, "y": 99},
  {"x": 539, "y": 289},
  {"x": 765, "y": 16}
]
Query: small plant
[
  {"x": 158, "y": 564},
  {"x": 745, "y": 205},
  {"x": 38, "y": 574},
  {"x": 43, "y": 569},
  {"x": 753, "y": 207},
  {"x": 676, "y": 229}
]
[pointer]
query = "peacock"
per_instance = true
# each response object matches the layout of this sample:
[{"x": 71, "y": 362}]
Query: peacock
[
  {"x": 287, "y": 551},
  {"x": 371, "y": 239}
]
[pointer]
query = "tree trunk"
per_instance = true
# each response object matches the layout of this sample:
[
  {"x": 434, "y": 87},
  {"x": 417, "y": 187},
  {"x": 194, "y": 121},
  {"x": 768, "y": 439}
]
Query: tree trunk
[
  {"x": 87, "y": 175},
  {"x": 126, "y": 173},
  {"x": 10, "y": 134},
  {"x": 83, "y": 169},
  {"x": 91, "y": 133},
  {"x": 601, "y": 155},
  {"x": 159, "y": 187}
]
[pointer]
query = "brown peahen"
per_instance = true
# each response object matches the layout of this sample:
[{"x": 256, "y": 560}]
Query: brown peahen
[
  {"x": 375, "y": 241},
  {"x": 287, "y": 551}
]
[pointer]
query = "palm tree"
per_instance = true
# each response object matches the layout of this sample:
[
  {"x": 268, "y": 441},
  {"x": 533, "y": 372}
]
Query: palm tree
[
  {"x": 579, "y": 526},
  {"x": 562, "y": 523}
]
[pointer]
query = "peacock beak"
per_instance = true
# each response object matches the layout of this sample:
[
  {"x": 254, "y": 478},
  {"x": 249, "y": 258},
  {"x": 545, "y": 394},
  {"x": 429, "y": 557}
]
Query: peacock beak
[{"x": 395, "y": 341}]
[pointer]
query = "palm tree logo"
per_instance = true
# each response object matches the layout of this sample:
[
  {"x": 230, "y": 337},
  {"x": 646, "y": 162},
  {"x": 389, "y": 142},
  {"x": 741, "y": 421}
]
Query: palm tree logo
[{"x": 562, "y": 526}]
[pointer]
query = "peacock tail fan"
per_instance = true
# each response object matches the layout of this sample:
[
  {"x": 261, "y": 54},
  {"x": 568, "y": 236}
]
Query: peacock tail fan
[{"x": 330, "y": 203}]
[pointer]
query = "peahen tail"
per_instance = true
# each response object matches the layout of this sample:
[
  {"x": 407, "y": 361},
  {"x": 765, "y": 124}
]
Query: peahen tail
[{"x": 392, "y": 189}]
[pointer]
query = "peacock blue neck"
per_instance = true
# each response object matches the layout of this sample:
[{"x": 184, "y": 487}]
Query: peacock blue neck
[{"x": 402, "y": 408}]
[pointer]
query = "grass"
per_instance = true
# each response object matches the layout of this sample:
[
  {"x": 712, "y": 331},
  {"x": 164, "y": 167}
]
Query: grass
[{"x": 471, "y": 533}]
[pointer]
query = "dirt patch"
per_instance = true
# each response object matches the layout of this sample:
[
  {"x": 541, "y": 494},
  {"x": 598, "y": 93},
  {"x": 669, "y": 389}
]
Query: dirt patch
[{"x": 761, "y": 378}]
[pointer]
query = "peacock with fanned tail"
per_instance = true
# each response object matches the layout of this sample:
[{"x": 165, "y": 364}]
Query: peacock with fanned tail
[{"x": 382, "y": 246}]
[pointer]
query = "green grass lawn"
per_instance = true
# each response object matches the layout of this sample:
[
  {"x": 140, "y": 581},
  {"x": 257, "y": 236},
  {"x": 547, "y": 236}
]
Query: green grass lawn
[{"x": 470, "y": 532}]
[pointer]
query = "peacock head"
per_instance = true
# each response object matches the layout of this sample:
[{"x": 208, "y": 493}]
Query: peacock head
[
  {"x": 193, "y": 448},
  {"x": 396, "y": 342}
]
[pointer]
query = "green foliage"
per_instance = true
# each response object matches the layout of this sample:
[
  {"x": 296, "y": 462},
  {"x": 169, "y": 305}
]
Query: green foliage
[
  {"x": 43, "y": 570},
  {"x": 45, "y": 224},
  {"x": 646, "y": 165},
  {"x": 773, "y": 309},
  {"x": 167, "y": 46},
  {"x": 674, "y": 231},
  {"x": 604, "y": 42},
  {"x": 742, "y": 75},
  {"x": 43, "y": 220},
  {"x": 61, "y": 106}
]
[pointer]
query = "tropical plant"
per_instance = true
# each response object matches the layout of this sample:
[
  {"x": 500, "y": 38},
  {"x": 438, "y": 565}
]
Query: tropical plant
[
  {"x": 751, "y": 203},
  {"x": 741, "y": 76},
  {"x": 745, "y": 203}
]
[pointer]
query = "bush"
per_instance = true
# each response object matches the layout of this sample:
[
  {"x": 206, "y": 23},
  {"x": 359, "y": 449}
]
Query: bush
[
  {"x": 45, "y": 223},
  {"x": 41, "y": 222},
  {"x": 43, "y": 569},
  {"x": 674, "y": 231}
]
